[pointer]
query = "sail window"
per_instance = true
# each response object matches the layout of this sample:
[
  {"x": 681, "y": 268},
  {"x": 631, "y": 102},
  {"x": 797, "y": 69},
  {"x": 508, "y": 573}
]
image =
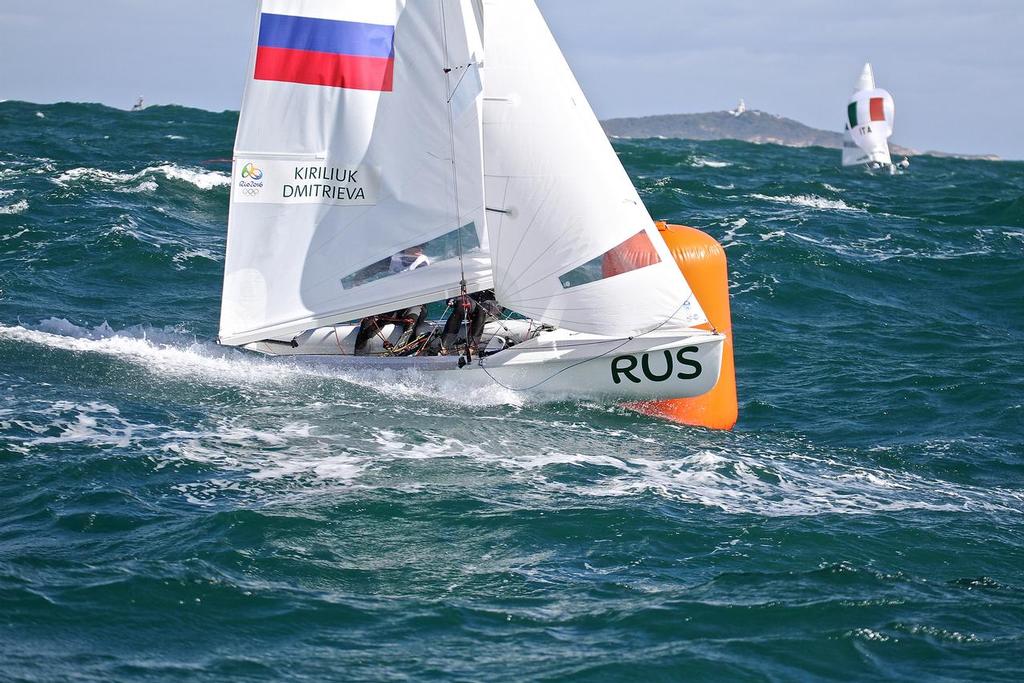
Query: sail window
[
  {"x": 417, "y": 256},
  {"x": 635, "y": 253}
]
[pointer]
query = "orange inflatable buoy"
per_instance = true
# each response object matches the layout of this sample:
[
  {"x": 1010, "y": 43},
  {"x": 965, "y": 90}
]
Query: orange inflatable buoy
[{"x": 702, "y": 261}]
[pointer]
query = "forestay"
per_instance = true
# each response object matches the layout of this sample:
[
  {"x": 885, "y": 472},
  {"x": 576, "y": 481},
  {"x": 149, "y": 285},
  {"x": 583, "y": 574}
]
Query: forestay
[
  {"x": 571, "y": 242},
  {"x": 359, "y": 138},
  {"x": 870, "y": 114}
]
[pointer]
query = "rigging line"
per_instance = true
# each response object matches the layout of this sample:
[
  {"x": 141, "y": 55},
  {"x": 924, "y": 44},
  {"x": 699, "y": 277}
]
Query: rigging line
[
  {"x": 587, "y": 360},
  {"x": 433, "y": 332},
  {"x": 545, "y": 381},
  {"x": 337, "y": 340},
  {"x": 451, "y": 138},
  {"x": 465, "y": 72}
]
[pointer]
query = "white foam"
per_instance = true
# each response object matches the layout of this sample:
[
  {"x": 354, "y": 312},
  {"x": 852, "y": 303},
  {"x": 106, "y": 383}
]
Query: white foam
[
  {"x": 204, "y": 180},
  {"x": 156, "y": 351},
  {"x": 764, "y": 281},
  {"x": 730, "y": 236},
  {"x": 144, "y": 186},
  {"x": 702, "y": 162},
  {"x": 881, "y": 248},
  {"x": 13, "y": 236},
  {"x": 809, "y": 201},
  {"x": 181, "y": 259},
  {"x": 17, "y": 207},
  {"x": 474, "y": 389},
  {"x": 201, "y": 178},
  {"x": 84, "y": 425},
  {"x": 175, "y": 137},
  {"x": 740, "y": 480},
  {"x": 274, "y": 444},
  {"x": 795, "y": 484},
  {"x": 172, "y": 354}
]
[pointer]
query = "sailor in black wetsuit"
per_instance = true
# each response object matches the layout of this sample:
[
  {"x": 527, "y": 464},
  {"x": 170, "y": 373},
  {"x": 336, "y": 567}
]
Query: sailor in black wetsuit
[
  {"x": 475, "y": 308},
  {"x": 407, "y": 319}
]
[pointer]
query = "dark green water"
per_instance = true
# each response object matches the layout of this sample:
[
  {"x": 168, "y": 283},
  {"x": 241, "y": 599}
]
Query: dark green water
[{"x": 173, "y": 511}]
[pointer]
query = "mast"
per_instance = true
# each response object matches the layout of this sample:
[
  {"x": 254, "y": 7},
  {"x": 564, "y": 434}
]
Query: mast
[{"x": 451, "y": 136}]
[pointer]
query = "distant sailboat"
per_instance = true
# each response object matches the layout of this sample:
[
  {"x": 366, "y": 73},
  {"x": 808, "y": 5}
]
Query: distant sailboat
[
  {"x": 371, "y": 132},
  {"x": 869, "y": 124},
  {"x": 139, "y": 105}
]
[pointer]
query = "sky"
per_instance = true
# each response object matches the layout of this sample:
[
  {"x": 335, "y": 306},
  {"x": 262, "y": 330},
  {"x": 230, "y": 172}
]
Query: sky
[{"x": 955, "y": 68}]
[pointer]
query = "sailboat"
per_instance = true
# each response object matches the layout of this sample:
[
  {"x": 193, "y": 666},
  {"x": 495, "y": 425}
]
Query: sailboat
[
  {"x": 869, "y": 124},
  {"x": 455, "y": 128}
]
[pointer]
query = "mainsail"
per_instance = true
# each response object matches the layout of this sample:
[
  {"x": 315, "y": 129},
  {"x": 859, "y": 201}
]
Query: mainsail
[
  {"x": 869, "y": 122},
  {"x": 852, "y": 154},
  {"x": 571, "y": 242},
  {"x": 359, "y": 139},
  {"x": 364, "y": 139}
]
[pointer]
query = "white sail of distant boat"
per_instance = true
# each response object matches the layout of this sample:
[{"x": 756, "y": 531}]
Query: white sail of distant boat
[
  {"x": 453, "y": 129},
  {"x": 869, "y": 123}
]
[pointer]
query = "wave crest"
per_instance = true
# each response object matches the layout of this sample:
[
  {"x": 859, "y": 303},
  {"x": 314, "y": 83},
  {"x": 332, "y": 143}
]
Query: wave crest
[{"x": 197, "y": 177}]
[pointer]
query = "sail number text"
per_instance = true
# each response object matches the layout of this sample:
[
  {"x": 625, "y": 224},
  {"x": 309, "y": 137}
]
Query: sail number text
[{"x": 626, "y": 366}]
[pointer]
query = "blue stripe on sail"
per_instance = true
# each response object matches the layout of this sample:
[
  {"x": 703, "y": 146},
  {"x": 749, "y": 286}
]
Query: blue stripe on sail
[{"x": 326, "y": 35}]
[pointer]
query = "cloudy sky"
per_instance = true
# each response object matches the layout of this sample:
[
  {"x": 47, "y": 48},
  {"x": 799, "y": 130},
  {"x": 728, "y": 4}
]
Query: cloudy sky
[{"x": 954, "y": 67}]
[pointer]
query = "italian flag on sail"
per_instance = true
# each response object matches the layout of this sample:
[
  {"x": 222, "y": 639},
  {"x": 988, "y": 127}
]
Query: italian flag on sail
[{"x": 876, "y": 111}]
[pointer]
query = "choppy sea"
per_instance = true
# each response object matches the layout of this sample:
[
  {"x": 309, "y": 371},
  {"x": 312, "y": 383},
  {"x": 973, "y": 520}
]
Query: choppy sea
[{"x": 174, "y": 511}]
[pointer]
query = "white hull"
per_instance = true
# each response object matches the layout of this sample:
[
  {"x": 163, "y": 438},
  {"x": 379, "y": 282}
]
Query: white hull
[{"x": 675, "y": 363}]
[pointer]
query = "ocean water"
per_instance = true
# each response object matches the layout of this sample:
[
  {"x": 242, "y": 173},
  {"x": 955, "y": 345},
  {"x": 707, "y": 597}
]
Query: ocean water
[{"x": 174, "y": 511}]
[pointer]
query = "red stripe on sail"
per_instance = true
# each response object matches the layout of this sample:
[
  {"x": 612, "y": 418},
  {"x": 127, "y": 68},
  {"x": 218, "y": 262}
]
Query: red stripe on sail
[
  {"x": 322, "y": 68},
  {"x": 877, "y": 109}
]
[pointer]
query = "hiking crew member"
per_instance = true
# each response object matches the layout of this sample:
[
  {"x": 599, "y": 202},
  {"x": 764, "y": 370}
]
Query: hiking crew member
[
  {"x": 405, "y": 319},
  {"x": 472, "y": 307}
]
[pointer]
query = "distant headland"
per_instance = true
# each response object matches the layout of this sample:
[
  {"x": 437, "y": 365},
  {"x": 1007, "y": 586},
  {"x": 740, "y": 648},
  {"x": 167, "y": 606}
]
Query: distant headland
[{"x": 750, "y": 126}]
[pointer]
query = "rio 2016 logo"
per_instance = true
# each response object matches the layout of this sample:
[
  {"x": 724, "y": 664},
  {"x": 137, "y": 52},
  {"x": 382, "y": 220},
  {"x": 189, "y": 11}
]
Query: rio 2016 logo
[
  {"x": 251, "y": 172},
  {"x": 251, "y": 183}
]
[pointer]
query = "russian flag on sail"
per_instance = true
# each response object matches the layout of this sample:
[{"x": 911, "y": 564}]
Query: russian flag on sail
[{"x": 325, "y": 52}]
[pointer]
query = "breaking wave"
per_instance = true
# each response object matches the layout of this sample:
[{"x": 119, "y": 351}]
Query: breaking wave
[
  {"x": 200, "y": 178},
  {"x": 172, "y": 353},
  {"x": 701, "y": 162},
  {"x": 738, "y": 476},
  {"x": 17, "y": 207},
  {"x": 809, "y": 201}
]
